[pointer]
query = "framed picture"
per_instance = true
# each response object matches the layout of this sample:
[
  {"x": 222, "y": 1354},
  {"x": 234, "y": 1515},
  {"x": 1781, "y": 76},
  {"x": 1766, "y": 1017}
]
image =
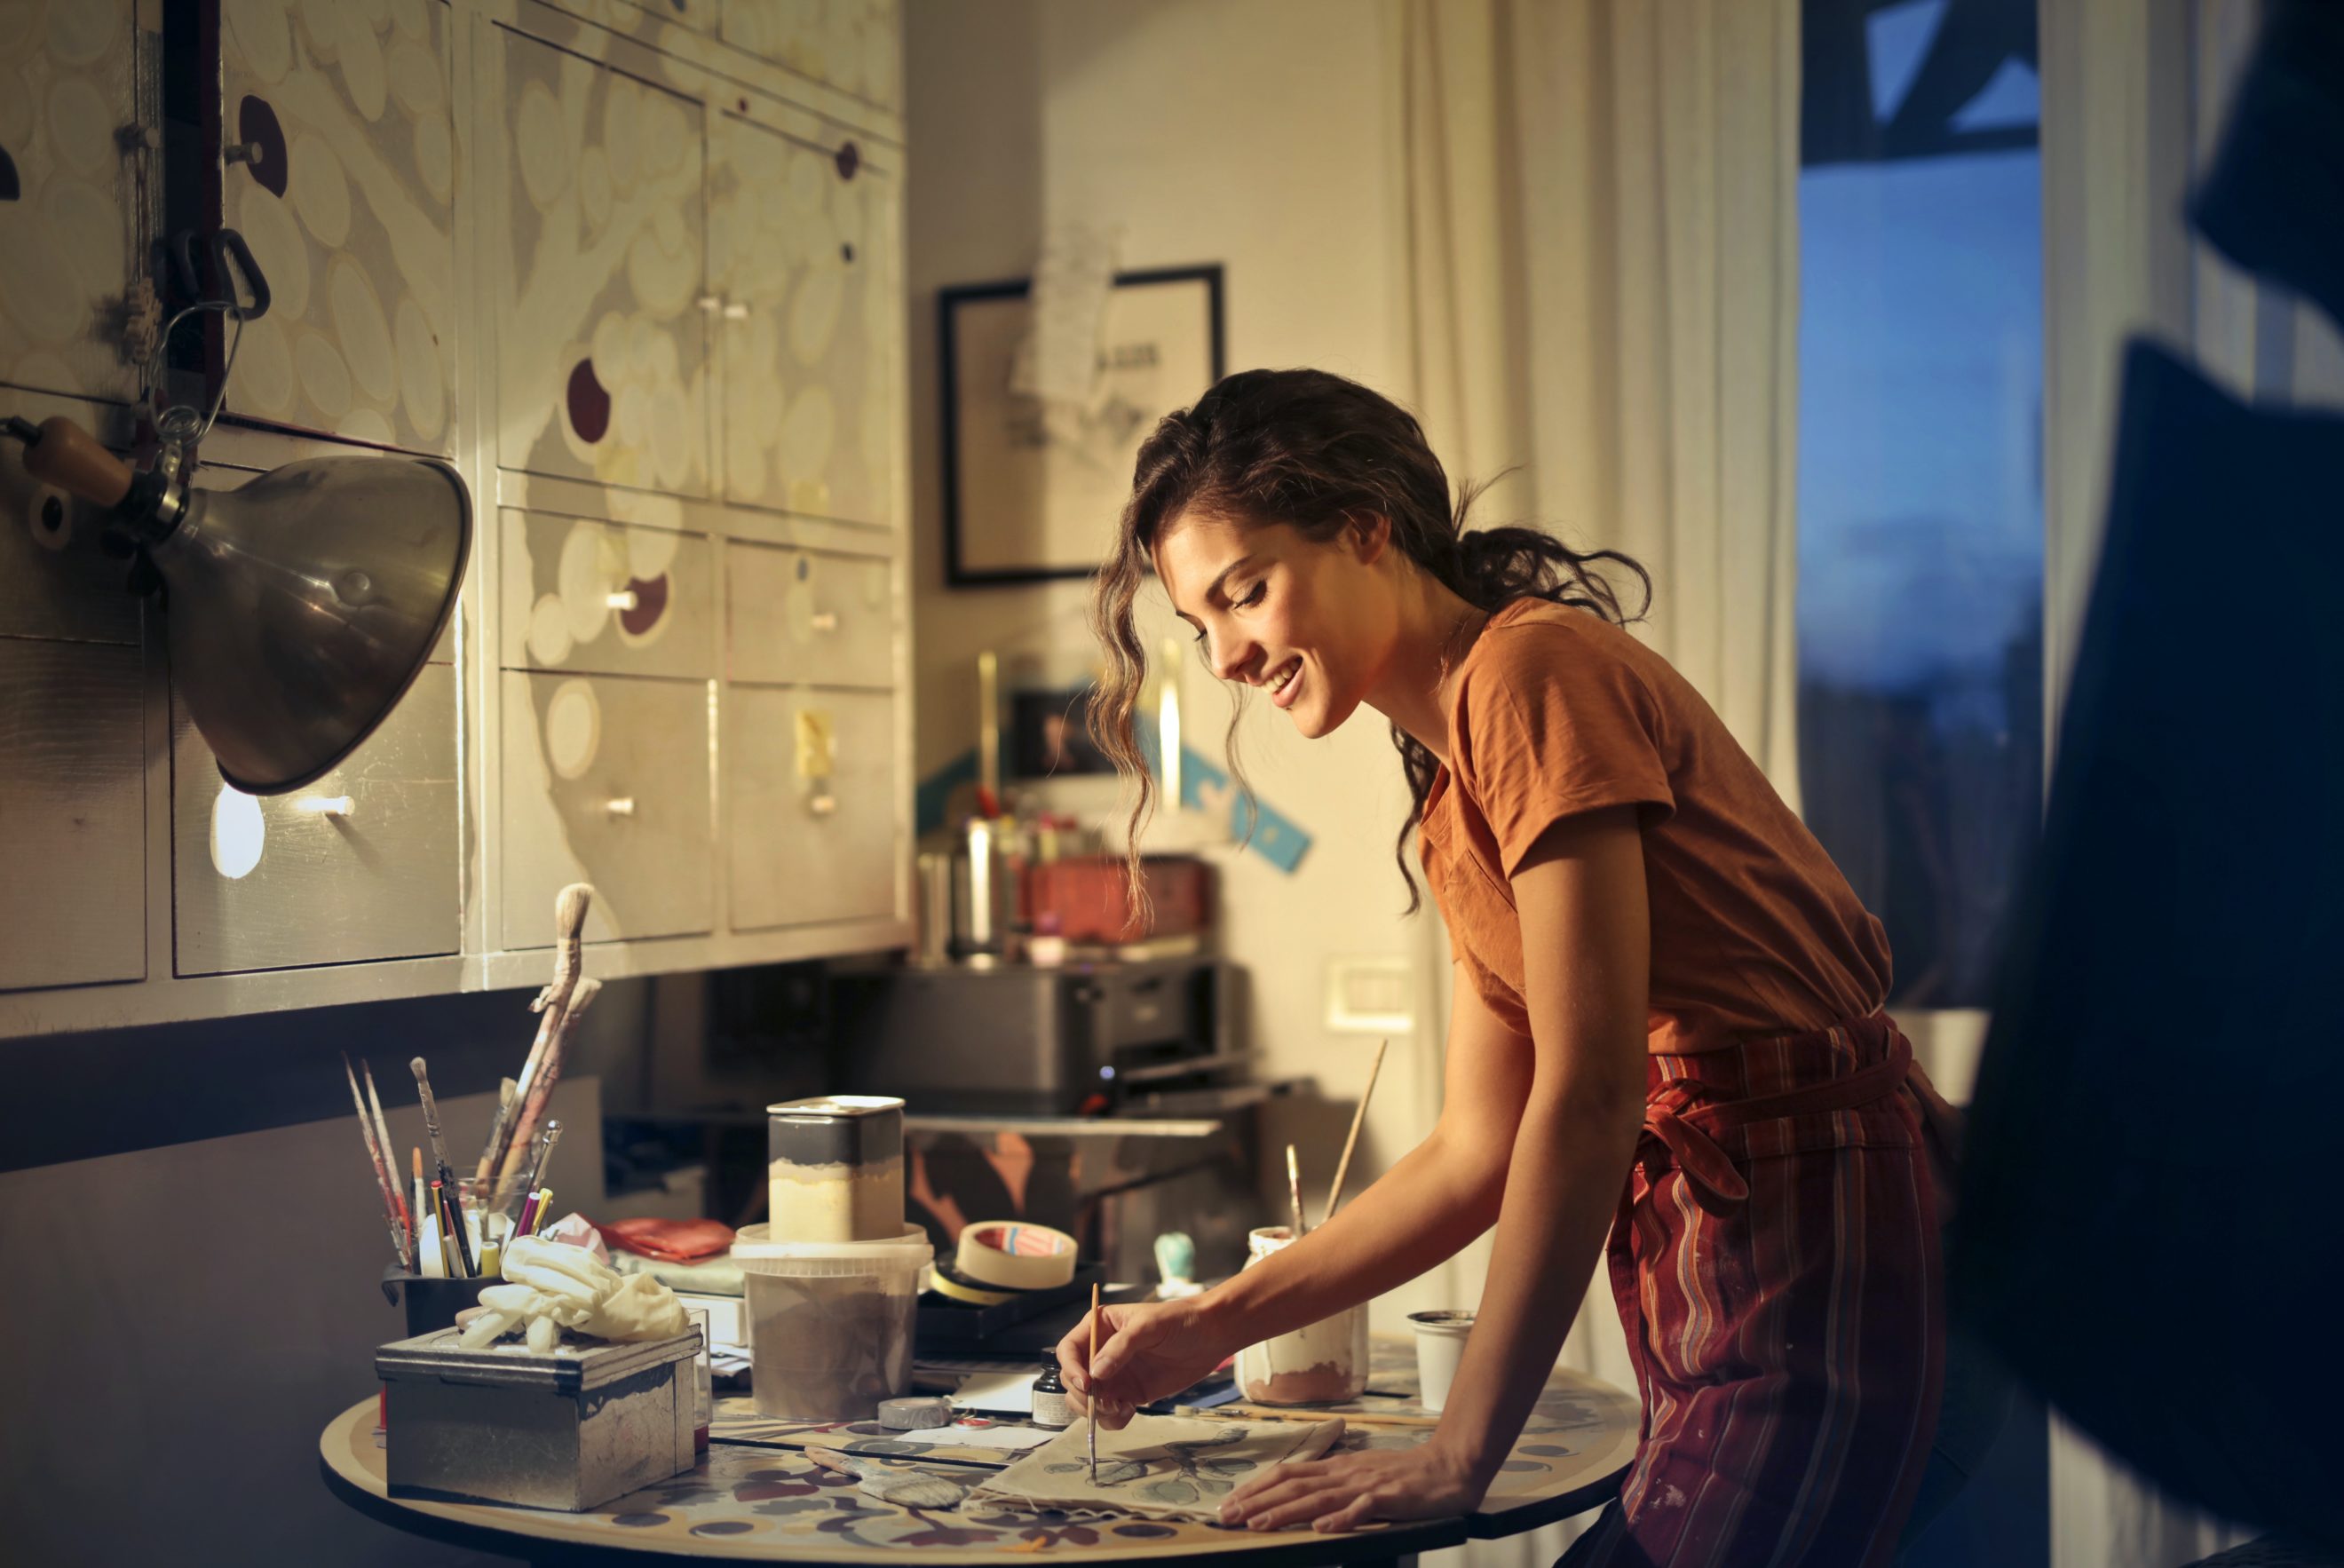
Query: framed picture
[{"x": 1026, "y": 500}]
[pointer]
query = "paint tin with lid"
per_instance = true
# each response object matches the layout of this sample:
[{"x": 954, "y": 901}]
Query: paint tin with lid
[{"x": 835, "y": 1169}]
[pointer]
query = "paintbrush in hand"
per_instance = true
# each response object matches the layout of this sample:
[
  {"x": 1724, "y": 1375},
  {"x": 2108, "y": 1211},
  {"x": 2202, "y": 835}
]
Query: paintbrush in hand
[
  {"x": 440, "y": 1158},
  {"x": 1094, "y": 1370}
]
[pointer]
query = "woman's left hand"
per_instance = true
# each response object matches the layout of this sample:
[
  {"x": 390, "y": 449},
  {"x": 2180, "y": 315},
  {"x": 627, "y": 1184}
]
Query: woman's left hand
[{"x": 1344, "y": 1493}]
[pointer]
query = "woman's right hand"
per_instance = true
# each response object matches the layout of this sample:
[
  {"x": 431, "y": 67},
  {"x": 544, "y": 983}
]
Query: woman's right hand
[{"x": 1147, "y": 1351}]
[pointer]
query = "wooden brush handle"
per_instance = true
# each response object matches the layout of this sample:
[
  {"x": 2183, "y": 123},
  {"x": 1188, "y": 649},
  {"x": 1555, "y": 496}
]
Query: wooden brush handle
[{"x": 69, "y": 456}]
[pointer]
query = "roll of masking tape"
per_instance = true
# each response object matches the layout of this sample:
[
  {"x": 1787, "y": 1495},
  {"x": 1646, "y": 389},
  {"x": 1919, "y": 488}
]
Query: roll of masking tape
[
  {"x": 914, "y": 1414},
  {"x": 1014, "y": 1255}
]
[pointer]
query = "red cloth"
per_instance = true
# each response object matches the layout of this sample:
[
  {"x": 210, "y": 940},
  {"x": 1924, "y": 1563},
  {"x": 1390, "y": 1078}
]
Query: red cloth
[
  {"x": 1775, "y": 1263},
  {"x": 670, "y": 1240}
]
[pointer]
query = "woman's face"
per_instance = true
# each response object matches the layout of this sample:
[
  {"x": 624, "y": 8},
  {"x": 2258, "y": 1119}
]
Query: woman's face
[{"x": 1309, "y": 623}]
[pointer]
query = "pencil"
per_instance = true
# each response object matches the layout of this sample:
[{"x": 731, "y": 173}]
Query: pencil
[{"x": 1093, "y": 1363}]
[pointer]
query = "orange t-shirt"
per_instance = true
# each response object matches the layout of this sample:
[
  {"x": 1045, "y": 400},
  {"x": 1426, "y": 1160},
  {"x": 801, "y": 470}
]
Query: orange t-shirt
[{"x": 1557, "y": 712}]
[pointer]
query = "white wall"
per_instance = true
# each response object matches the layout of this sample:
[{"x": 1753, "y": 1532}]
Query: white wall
[{"x": 1262, "y": 137}]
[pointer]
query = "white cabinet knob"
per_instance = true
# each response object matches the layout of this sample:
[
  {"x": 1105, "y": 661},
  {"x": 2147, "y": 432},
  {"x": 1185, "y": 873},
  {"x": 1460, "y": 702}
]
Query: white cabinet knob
[
  {"x": 625, "y": 599},
  {"x": 738, "y": 311},
  {"x": 822, "y": 805},
  {"x": 824, "y": 620},
  {"x": 325, "y": 804},
  {"x": 623, "y": 806},
  {"x": 710, "y": 302}
]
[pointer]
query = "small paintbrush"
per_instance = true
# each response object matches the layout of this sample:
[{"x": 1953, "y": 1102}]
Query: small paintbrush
[
  {"x": 1343, "y": 1166},
  {"x": 1093, "y": 1364},
  {"x": 440, "y": 1158},
  {"x": 1294, "y": 1187},
  {"x": 389, "y": 1153},
  {"x": 375, "y": 1156}
]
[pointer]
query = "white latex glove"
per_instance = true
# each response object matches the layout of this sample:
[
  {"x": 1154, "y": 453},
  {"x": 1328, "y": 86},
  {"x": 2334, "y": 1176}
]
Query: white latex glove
[{"x": 551, "y": 1286}]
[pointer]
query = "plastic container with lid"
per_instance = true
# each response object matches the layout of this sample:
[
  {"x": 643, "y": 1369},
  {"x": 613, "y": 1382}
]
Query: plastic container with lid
[{"x": 830, "y": 1322}]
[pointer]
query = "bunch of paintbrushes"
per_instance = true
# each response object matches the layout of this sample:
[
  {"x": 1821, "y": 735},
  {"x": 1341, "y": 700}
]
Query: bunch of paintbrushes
[
  {"x": 1343, "y": 1166},
  {"x": 521, "y": 1108},
  {"x": 430, "y": 1234}
]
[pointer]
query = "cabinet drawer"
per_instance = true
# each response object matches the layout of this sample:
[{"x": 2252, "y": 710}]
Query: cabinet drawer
[
  {"x": 361, "y": 864},
  {"x": 72, "y": 814},
  {"x": 818, "y": 620},
  {"x": 607, "y": 597},
  {"x": 606, "y": 780},
  {"x": 55, "y": 581},
  {"x": 812, "y": 813}
]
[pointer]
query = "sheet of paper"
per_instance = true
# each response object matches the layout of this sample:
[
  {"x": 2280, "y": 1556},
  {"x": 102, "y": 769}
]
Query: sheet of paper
[
  {"x": 1011, "y": 1393},
  {"x": 1059, "y": 362},
  {"x": 1008, "y": 1439}
]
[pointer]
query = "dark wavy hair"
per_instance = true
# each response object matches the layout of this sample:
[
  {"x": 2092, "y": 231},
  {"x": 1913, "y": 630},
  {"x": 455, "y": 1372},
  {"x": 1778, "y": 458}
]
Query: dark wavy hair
[{"x": 1317, "y": 451}]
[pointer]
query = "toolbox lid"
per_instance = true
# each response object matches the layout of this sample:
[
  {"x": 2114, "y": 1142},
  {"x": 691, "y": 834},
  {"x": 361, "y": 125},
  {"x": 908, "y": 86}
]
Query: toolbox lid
[{"x": 569, "y": 1370}]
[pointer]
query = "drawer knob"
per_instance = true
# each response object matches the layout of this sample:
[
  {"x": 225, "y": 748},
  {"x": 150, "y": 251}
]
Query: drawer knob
[
  {"x": 825, "y": 621},
  {"x": 243, "y": 152},
  {"x": 822, "y": 805},
  {"x": 324, "y": 804},
  {"x": 623, "y": 806},
  {"x": 625, "y": 599},
  {"x": 710, "y": 302},
  {"x": 736, "y": 310}
]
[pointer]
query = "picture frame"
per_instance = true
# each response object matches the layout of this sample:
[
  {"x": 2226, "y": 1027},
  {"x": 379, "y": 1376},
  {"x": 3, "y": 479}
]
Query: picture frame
[{"x": 1023, "y": 503}]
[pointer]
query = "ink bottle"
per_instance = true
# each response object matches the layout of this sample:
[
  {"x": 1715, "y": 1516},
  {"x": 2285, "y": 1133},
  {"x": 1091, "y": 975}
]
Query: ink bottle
[{"x": 1050, "y": 1407}]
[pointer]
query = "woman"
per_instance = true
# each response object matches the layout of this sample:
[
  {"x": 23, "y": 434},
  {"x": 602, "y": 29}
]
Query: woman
[{"x": 1667, "y": 1024}]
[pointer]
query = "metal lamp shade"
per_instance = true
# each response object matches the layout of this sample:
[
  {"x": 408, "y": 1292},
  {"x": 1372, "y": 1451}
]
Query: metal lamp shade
[{"x": 301, "y": 607}]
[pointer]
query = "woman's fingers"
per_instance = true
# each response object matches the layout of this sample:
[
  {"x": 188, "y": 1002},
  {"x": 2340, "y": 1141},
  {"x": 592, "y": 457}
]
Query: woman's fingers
[
  {"x": 1112, "y": 1414},
  {"x": 1360, "y": 1511},
  {"x": 1248, "y": 1494}
]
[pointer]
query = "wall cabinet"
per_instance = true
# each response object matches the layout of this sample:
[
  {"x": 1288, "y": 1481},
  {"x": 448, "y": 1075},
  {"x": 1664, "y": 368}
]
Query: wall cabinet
[{"x": 635, "y": 270}]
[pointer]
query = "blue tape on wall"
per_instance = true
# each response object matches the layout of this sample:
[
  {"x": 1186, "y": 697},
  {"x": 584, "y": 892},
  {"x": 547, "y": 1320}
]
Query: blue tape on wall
[{"x": 1204, "y": 786}]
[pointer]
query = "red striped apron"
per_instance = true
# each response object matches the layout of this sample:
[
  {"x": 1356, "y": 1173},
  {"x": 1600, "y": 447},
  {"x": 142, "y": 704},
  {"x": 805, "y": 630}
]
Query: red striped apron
[{"x": 1775, "y": 1262}]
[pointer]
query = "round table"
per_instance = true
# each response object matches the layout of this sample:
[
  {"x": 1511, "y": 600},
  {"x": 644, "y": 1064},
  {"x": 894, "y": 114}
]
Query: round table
[{"x": 756, "y": 1495}]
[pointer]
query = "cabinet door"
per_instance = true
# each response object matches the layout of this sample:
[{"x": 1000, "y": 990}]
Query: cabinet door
[
  {"x": 803, "y": 255},
  {"x": 606, "y": 780},
  {"x": 813, "y": 812},
  {"x": 362, "y": 865},
  {"x": 346, "y": 190},
  {"x": 819, "y": 620},
  {"x": 854, "y": 45},
  {"x": 69, "y": 221},
  {"x": 607, "y": 597},
  {"x": 72, "y": 814},
  {"x": 601, "y": 352}
]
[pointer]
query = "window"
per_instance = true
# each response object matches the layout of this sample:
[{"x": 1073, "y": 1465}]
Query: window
[{"x": 1920, "y": 624}]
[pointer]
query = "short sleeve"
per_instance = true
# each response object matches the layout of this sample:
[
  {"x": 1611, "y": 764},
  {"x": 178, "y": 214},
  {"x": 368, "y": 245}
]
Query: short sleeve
[{"x": 1549, "y": 725}]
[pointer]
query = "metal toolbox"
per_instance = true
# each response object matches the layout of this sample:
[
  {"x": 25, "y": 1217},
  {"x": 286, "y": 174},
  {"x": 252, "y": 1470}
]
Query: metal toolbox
[{"x": 569, "y": 1430}]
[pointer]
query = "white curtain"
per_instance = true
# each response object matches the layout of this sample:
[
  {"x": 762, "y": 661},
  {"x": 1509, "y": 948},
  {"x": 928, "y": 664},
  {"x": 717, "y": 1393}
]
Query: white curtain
[{"x": 1601, "y": 244}]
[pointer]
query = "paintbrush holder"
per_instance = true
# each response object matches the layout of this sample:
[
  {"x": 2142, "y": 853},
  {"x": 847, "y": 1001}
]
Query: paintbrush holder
[
  {"x": 1325, "y": 1362},
  {"x": 432, "y": 1303}
]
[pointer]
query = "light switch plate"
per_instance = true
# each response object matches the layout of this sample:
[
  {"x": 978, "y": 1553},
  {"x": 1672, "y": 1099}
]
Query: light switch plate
[{"x": 1370, "y": 995}]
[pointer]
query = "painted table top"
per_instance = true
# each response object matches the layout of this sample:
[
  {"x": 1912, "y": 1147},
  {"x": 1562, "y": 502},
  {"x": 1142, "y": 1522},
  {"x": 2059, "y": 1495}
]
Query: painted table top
[{"x": 756, "y": 1494}]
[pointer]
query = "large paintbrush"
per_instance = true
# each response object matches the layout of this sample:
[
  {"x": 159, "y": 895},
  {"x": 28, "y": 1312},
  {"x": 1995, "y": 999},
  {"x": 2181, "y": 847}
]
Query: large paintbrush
[
  {"x": 1343, "y": 1166},
  {"x": 531, "y": 1114},
  {"x": 391, "y": 1208},
  {"x": 440, "y": 1158},
  {"x": 570, "y": 908}
]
